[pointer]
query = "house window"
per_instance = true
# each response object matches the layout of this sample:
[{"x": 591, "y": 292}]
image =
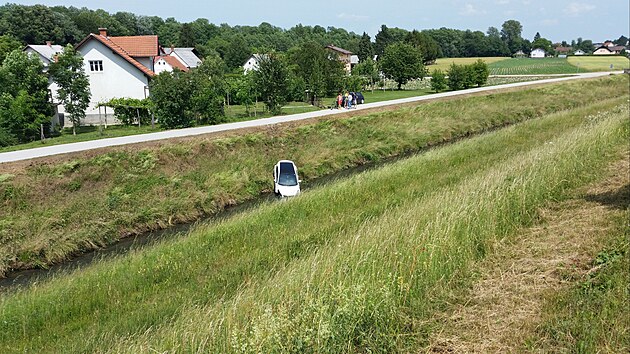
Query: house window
[{"x": 96, "y": 65}]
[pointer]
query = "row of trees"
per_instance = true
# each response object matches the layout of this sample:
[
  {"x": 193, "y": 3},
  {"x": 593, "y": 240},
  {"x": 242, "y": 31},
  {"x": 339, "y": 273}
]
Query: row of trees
[
  {"x": 235, "y": 44},
  {"x": 25, "y": 104},
  {"x": 460, "y": 77}
]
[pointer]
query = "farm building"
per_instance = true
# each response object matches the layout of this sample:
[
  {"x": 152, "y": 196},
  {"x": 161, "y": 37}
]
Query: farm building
[{"x": 537, "y": 53}]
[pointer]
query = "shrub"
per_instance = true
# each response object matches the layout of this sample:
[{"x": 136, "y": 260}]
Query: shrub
[{"x": 438, "y": 80}]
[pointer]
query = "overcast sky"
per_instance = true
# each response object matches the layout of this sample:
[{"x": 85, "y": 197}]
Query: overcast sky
[{"x": 556, "y": 20}]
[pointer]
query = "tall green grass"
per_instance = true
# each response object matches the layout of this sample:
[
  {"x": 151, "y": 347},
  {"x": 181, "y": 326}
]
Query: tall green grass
[
  {"x": 51, "y": 211},
  {"x": 371, "y": 290},
  {"x": 354, "y": 267}
]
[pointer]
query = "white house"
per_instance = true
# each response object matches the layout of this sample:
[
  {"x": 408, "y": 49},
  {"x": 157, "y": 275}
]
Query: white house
[
  {"x": 537, "y": 53},
  {"x": 579, "y": 52},
  {"x": 251, "y": 63},
  {"x": 117, "y": 67},
  {"x": 45, "y": 52},
  {"x": 168, "y": 63},
  {"x": 608, "y": 50},
  {"x": 186, "y": 56}
]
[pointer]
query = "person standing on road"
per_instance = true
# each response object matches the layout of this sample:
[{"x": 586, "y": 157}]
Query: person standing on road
[
  {"x": 339, "y": 101},
  {"x": 349, "y": 99}
]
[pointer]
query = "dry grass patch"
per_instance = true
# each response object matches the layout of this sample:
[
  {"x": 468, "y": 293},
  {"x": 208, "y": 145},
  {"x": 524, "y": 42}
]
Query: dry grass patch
[{"x": 504, "y": 306}]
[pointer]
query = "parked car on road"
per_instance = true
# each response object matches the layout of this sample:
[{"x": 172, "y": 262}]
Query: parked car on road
[
  {"x": 285, "y": 179},
  {"x": 358, "y": 98}
]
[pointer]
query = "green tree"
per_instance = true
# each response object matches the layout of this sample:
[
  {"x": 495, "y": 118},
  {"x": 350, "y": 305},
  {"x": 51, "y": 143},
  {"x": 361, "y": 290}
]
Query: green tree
[
  {"x": 186, "y": 36},
  {"x": 271, "y": 81},
  {"x": 449, "y": 40},
  {"x": 496, "y": 47},
  {"x": 25, "y": 103},
  {"x": 511, "y": 34},
  {"x": 622, "y": 40},
  {"x": 427, "y": 46},
  {"x": 246, "y": 92},
  {"x": 208, "y": 85},
  {"x": 74, "y": 86},
  {"x": 536, "y": 36},
  {"x": 320, "y": 70},
  {"x": 236, "y": 52},
  {"x": 401, "y": 63},
  {"x": 7, "y": 45},
  {"x": 458, "y": 77},
  {"x": 438, "y": 80},
  {"x": 366, "y": 50},
  {"x": 368, "y": 71},
  {"x": 480, "y": 73},
  {"x": 170, "y": 95}
]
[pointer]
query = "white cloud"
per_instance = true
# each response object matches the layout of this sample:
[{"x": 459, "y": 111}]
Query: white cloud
[
  {"x": 502, "y": 2},
  {"x": 577, "y": 8},
  {"x": 352, "y": 17},
  {"x": 470, "y": 10}
]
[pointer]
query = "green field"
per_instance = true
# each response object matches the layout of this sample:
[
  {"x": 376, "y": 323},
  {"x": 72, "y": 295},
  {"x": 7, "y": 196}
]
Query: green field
[
  {"x": 599, "y": 63},
  {"x": 359, "y": 266},
  {"x": 445, "y": 63},
  {"x": 530, "y": 66}
]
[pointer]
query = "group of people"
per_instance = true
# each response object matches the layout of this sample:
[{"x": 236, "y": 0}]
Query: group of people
[{"x": 347, "y": 100}]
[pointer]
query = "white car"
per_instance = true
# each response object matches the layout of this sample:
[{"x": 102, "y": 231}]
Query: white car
[{"x": 285, "y": 179}]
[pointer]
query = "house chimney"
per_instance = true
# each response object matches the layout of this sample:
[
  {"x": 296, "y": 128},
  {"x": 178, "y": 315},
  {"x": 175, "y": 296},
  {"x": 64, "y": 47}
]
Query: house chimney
[
  {"x": 103, "y": 31},
  {"x": 172, "y": 48},
  {"x": 49, "y": 43}
]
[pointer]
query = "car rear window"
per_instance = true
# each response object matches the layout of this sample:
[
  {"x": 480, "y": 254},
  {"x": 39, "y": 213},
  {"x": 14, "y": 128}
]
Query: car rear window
[{"x": 286, "y": 168}]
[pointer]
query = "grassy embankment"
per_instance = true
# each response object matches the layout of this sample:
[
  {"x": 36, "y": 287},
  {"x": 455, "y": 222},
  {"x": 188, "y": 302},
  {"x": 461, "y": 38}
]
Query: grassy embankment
[
  {"x": 594, "y": 314},
  {"x": 52, "y": 211},
  {"x": 359, "y": 266}
]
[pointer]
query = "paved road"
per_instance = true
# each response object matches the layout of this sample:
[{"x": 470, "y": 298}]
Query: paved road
[{"x": 96, "y": 144}]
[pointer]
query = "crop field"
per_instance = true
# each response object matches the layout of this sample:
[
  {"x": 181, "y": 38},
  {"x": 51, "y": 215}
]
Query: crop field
[
  {"x": 529, "y": 66},
  {"x": 445, "y": 63},
  {"x": 358, "y": 266},
  {"x": 599, "y": 63}
]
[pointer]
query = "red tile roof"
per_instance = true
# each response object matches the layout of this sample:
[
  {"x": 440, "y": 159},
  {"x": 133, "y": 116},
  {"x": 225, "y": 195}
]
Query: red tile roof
[
  {"x": 107, "y": 41},
  {"x": 172, "y": 61},
  {"x": 138, "y": 46}
]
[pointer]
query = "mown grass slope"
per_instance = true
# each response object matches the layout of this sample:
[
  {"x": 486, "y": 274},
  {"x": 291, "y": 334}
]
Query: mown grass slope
[
  {"x": 352, "y": 268},
  {"x": 52, "y": 211}
]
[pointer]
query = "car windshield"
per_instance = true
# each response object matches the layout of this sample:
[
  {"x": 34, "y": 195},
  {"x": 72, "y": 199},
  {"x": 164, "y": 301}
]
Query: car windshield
[{"x": 287, "y": 180}]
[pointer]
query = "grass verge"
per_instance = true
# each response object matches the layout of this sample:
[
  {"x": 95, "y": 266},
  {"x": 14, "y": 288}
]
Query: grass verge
[
  {"x": 594, "y": 314},
  {"x": 513, "y": 305},
  {"x": 51, "y": 211},
  {"x": 356, "y": 267}
]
